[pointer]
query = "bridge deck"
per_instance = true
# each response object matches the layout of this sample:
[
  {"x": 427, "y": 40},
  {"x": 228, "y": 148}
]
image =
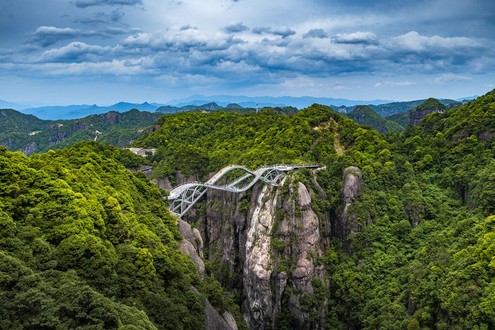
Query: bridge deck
[{"x": 183, "y": 197}]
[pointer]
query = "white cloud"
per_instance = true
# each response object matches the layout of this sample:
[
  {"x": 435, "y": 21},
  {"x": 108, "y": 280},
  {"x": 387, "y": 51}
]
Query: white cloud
[
  {"x": 316, "y": 33},
  {"x": 236, "y": 28},
  {"x": 395, "y": 84},
  {"x": 75, "y": 52},
  {"x": 283, "y": 32},
  {"x": 356, "y": 38},
  {"x": 50, "y": 35},
  {"x": 113, "y": 67},
  {"x": 413, "y": 41},
  {"x": 449, "y": 77},
  {"x": 252, "y": 42},
  {"x": 138, "y": 40}
]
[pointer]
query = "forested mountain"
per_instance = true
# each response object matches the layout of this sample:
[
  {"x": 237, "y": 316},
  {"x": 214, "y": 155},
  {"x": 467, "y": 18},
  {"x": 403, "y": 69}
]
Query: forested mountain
[
  {"x": 30, "y": 134},
  {"x": 85, "y": 243},
  {"x": 393, "y": 231},
  {"x": 364, "y": 115},
  {"x": 427, "y": 107},
  {"x": 411, "y": 250},
  {"x": 403, "y": 118},
  {"x": 389, "y": 109},
  {"x": 200, "y": 143},
  {"x": 212, "y": 106},
  {"x": 416, "y": 114}
]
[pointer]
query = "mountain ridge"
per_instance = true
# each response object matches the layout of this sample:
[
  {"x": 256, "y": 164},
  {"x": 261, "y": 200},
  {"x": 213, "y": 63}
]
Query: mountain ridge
[
  {"x": 74, "y": 111},
  {"x": 19, "y": 131}
]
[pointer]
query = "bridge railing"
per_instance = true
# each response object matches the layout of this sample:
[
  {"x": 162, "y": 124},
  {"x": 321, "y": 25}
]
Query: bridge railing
[{"x": 183, "y": 197}]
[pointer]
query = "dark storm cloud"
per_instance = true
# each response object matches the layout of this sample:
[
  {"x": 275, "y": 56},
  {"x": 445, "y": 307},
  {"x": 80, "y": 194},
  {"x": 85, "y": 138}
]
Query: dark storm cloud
[
  {"x": 236, "y": 28},
  {"x": 114, "y": 16},
  {"x": 367, "y": 38},
  {"x": 283, "y": 32},
  {"x": 316, "y": 33},
  {"x": 50, "y": 35},
  {"x": 90, "y": 3}
]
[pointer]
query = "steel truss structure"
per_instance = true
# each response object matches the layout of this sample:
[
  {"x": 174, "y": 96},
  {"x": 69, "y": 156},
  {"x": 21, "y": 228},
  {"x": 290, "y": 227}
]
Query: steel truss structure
[{"x": 183, "y": 197}]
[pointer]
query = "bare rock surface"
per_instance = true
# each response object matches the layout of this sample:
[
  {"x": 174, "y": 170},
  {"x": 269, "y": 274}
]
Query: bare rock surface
[
  {"x": 192, "y": 245},
  {"x": 267, "y": 244}
]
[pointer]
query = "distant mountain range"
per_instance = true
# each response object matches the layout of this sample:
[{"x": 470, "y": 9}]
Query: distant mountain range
[
  {"x": 11, "y": 105},
  {"x": 217, "y": 102},
  {"x": 28, "y": 133},
  {"x": 83, "y": 110},
  {"x": 269, "y": 101},
  {"x": 19, "y": 131}
]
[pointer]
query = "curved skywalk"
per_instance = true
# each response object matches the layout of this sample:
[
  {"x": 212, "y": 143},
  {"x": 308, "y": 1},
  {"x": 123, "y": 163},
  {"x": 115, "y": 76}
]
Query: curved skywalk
[{"x": 183, "y": 197}]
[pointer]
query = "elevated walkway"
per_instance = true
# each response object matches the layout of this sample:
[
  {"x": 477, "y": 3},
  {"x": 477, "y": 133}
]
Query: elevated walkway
[{"x": 183, "y": 197}]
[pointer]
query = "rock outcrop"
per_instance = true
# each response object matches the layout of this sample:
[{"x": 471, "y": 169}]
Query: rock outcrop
[
  {"x": 268, "y": 244},
  {"x": 192, "y": 245},
  {"x": 346, "y": 223},
  {"x": 429, "y": 106},
  {"x": 265, "y": 244},
  {"x": 215, "y": 321}
]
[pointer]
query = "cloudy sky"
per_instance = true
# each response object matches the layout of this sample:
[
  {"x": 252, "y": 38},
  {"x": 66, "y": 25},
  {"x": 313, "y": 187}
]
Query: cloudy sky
[{"x": 104, "y": 51}]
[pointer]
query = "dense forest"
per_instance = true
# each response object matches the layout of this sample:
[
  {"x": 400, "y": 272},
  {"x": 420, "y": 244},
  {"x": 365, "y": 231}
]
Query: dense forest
[
  {"x": 423, "y": 254},
  {"x": 87, "y": 242}
]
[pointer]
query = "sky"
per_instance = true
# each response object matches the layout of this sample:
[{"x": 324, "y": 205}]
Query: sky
[{"x": 104, "y": 51}]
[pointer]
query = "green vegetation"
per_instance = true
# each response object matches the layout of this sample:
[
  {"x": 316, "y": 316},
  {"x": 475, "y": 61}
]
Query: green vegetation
[
  {"x": 424, "y": 262},
  {"x": 431, "y": 104},
  {"x": 85, "y": 243},
  {"x": 200, "y": 143},
  {"x": 389, "y": 109},
  {"x": 423, "y": 254},
  {"x": 30, "y": 134},
  {"x": 400, "y": 118},
  {"x": 364, "y": 115}
]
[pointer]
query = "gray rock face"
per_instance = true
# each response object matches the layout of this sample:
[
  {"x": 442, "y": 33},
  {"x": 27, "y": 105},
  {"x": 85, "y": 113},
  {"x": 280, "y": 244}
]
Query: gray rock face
[
  {"x": 352, "y": 184},
  {"x": 429, "y": 106},
  {"x": 347, "y": 223},
  {"x": 304, "y": 198},
  {"x": 266, "y": 244},
  {"x": 180, "y": 178},
  {"x": 30, "y": 148},
  {"x": 215, "y": 321},
  {"x": 257, "y": 271},
  {"x": 300, "y": 230},
  {"x": 266, "y": 247},
  {"x": 230, "y": 320},
  {"x": 192, "y": 245}
]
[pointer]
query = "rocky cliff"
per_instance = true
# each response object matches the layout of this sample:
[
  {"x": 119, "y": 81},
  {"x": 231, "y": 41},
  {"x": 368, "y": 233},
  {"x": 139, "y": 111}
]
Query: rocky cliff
[
  {"x": 267, "y": 245},
  {"x": 431, "y": 105}
]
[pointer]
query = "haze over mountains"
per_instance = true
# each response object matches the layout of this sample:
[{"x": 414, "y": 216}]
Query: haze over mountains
[
  {"x": 121, "y": 127},
  {"x": 57, "y": 112}
]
